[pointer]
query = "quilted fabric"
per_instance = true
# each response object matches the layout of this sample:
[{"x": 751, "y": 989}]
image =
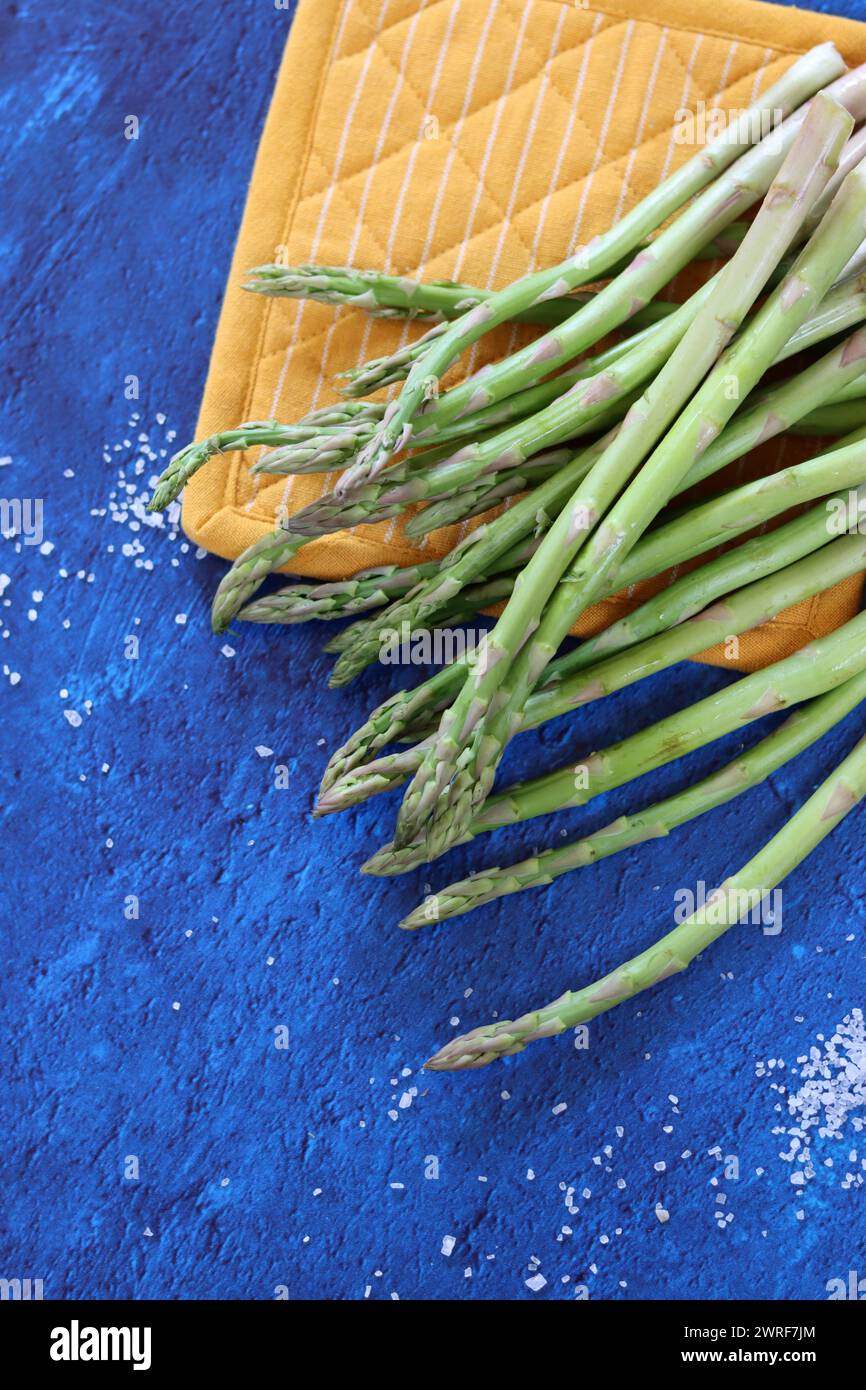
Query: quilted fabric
[{"x": 472, "y": 140}]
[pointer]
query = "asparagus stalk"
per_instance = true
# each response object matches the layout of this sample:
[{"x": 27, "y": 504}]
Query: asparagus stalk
[
  {"x": 330, "y": 449},
  {"x": 776, "y": 410},
  {"x": 703, "y": 418},
  {"x": 730, "y": 195},
  {"x": 739, "y": 611},
  {"x": 577, "y": 409},
  {"x": 822, "y": 665},
  {"x": 737, "y": 896},
  {"x": 190, "y": 459},
  {"x": 853, "y": 390},
  {"x": 297, "y": 603},
  {"x": 307, "y": 450},
  {"x": 676, "y": 630},
  {"x": 842, "y": 308},
  {"x": 376, "y": 503},
  {"x": 564, "y": 417},
  {"x": 493, "y": 488},
  {"x": 400, "y": 296},
  {"x": 390, "y": 368},
  {"x": 802, "y": 729},
  {"x": 678, "y": 541},
  {"x": 742, "y": 509},
  {"x": 458, "y": 769},
  {"x": 474, "y": 556},
  {"x": 395, "y": 366},
  {"x": 852, "y": 155},
  {"x": 323, "y": 451},
  {"x": 692, "y": 592},
  {"x": 366, "y": 590},
  {"x": 577, "y": 412},
  {"x": 388, "y": 296},
  {"x": 833, "y": 419},
  {"x": 307, "y": 446}
]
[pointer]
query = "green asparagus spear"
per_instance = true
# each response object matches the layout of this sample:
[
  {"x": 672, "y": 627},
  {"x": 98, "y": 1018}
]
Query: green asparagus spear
[
  {"x": 480, "y": 550},
  {"x": 833, "y": 419},
  {"x": 682, "y": 539},
  {"x": 388, "y": 296},
  {"x": 577, "y": 412},
  {"x": 395, "y": 366},
  {"x": 772, "y": 412},
  {"x": 842, "y": 308},
  {"x": 686, "y": 632},
  {"x": 735, "y": 898},
  {"x": 189, "y": 460},
  {"x": 399, "y": 296},
  {"x": 804, "y": 727},
  {"x": 277, "y": 548},
  {"x": 822, "y": 665}
]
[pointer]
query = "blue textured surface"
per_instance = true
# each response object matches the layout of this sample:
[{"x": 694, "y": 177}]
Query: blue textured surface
[{"x": 261, "y": 1167}]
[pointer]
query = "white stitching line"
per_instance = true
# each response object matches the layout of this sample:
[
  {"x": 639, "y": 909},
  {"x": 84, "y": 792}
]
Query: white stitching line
[
  {"x": 683, "y": 99},
  {"x": 531, "y": 128},
  {"x": 566, "y": 139},
  {"x": 327, "y": 479},
  {"x": 554, "y": 180},
  {"x": 653, "y": 77},
  {"x": 368, "y": 327},
  {"x": 296, "y": 327},
  {"x": 492, "y": 134},
  {"x": 608, "y": 115}
]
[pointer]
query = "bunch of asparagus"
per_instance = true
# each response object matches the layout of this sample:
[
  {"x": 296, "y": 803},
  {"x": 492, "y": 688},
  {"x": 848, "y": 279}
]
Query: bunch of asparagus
[{"x": 597, "y": 445}]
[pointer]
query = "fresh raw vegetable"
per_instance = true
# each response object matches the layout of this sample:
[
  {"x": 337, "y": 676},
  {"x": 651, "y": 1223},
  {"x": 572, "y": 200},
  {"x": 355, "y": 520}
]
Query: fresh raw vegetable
[
  {"x": 817, "y": 667},
  {"x": 673, "y": 544},
  {"x": 738, "y": 895},
  {"x": 805, "y": 726},
  {"x": 579, "y": 452},
  {"x": 458, "y": 770}
]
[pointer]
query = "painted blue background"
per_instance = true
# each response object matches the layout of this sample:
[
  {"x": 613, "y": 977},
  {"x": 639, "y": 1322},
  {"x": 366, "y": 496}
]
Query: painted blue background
[{"x": 116, "y": 254}]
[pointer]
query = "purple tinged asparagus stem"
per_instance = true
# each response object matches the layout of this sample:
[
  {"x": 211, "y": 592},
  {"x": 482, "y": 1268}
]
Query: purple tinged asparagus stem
[
  {"x": 458, "y": 769},
  {"x": 806, "y": 76}
]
